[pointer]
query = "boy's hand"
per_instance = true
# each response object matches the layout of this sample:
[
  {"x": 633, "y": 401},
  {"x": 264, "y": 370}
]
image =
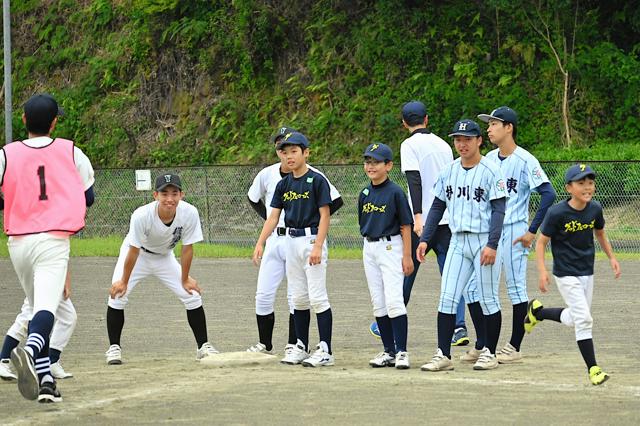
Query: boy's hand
[
  {"x": 118, "y": 288},
  {"x": 543, "y": 281},
  {"x": 191, "y": 285},
  {"x": 526, "y": 239},
  {"x": 488, "y": 256},
  {"x": 421, "y": 251},
  {"x": 316, "y": 255},
  {"x": 407, "y": 265},
  {"x": 615, "y": 266},
  {"x": 257, "y": 254}
]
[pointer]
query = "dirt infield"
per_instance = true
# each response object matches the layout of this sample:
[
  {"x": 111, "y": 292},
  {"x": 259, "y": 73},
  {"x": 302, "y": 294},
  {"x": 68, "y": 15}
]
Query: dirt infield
[{"x": 160, "y": 381}]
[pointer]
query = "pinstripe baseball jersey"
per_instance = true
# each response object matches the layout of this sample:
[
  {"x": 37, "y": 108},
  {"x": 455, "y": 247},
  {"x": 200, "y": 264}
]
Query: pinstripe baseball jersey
[
  {"x": 522, "y": 174},
  {"x": 468, "y": 194}
]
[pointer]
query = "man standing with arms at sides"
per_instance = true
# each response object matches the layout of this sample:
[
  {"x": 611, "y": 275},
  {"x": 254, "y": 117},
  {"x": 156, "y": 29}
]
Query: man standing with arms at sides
[{"x": 422, "y": 156}]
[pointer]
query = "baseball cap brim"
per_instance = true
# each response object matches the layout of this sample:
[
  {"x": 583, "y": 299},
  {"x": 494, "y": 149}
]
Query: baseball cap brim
[
  {"x": 487, "y": 117},
  {"x": 461, "y": 133},
  {"x": 376, "y": 156},
  {"x": 580, "y": 176},
  {"x": 161, "y": 187}
]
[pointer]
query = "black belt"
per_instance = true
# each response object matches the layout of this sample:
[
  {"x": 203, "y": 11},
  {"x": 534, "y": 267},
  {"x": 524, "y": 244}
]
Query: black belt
[
  {"x": 147, "y": 251},
  {"x": 293, "y": 232},
  {"x": 384, "y": 237},
  {"x": 280, "y": 232}
]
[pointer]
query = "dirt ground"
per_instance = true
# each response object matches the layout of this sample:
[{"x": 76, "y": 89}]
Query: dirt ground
[{"x": 160, "y": 381}]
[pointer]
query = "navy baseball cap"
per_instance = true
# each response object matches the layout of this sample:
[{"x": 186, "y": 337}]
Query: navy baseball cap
[
  {"x": 465, "y": 127},
  {"x": 577, "y": 172},
  {"x": 40, "y": 111},
  {"x": 379, "y": 151},
  {"x": 503, "y": 113},
  {"x": 168, "y": 179},
  {"x": 413, "y": 111},
  {"x": 295, "y": 138},
  {"x": 282, "y": 132}
]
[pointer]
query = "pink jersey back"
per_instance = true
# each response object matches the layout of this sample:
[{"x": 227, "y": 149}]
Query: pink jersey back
[{"x": 42, "y": 189}]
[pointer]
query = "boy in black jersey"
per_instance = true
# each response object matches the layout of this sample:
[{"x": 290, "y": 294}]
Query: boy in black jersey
[
  {"x": 304, "y": 195},
  {"x": 386, "y": 223},
  {"x": 570, "y": 226}
]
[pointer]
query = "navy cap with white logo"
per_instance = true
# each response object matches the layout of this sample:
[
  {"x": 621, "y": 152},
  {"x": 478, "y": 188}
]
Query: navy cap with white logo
[
  {"x": 465, "y": 127},
  {"x": 166, "y": 180},
  {"x": 379, "y": 151},
  {"x": 503, "y": 113},
  {"x": 578, "y": 172},
  {"x": 294, "y": 138},
  {"x": 413, "y": 110},
  {"x": 282, "y": 132}
]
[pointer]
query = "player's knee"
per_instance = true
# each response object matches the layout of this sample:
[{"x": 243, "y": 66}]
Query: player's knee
[
  {"x": 396, "y": 310},
  {"x": 380, "y": 311},
  {"x": 584, "y": 323},
  {"x": 300, "y": 303},
  {"x": 119, "y": 303},
  {"x": 264, "y": 307},
  {"x": 193, "y": 302},
  {"x": 319, "y": 306}
]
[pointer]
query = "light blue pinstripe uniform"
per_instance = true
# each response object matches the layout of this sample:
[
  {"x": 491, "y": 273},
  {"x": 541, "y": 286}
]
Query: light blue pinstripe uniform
[
  {"x": 523, "y": 174},
  {"x": 468, "y": 195}
]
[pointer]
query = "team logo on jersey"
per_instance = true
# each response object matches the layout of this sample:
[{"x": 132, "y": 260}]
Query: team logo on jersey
[
  {"x": 177, "y": 235},
  {"x": 309, "y": 180},
  {"x": 365, "y": 191},
  {"x": 292, "y": 196},
  {"x": 372, "y": 208},
  {"x": 512, "y": 184},
  {"x": 389, "y": 247},
  {"x": 537, "y": 173},
  {"x": 501, "y": 186},
  {"x": 575, "y": 226}
]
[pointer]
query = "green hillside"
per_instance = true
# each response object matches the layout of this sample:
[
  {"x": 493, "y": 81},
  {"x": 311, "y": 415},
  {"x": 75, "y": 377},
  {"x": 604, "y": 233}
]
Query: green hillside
[{"x": 162, "y": 82}]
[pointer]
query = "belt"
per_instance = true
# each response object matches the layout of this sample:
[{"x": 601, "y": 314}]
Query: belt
[
  {"x": 147, "y": 251},
  {"x": 384, "y": 237},
  {"x": 301, "y": 232}
]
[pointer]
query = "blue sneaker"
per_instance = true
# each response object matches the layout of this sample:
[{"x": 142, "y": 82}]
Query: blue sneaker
[
  {"x": 373, "y": 328},
  {"x": 460, "y": 337}
]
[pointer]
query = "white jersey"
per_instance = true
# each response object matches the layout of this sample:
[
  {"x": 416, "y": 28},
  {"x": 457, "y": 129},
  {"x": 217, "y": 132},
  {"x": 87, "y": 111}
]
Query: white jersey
[
  {"x": 83, "y": 165},
  {"x": 264, "y": 186},
  {"x": 523, "y": 174},
  {"x": 428, "y": 154},
  {"x": 147, "y": 231},
  {"x": 468, "y": 194}
]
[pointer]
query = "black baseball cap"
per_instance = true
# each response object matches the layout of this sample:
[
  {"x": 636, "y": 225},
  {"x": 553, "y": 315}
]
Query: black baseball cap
[
  {"x": 503, "y": 113},
  {"x": 413, "y": 111},
  {"x": 282, "y": 132},
  {"x": 465, "y": 127},
  {"x": 168, "y": 179},
  {"x": 295, "y": 138},
  {"x": 379, "y": 151},
  {"x": 40, "y": 111},
  {"x": 577, "y": 172}
]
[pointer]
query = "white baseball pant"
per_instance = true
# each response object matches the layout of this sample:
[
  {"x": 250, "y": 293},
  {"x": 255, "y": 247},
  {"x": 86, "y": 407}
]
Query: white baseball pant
[
  {"x": 165, "y": 267},
  {"x": 308, "y": 283},
  {"x": 272, "y": 272},
  {"x": 577, "y": 293},
  {"x": 383, "y": 268}
]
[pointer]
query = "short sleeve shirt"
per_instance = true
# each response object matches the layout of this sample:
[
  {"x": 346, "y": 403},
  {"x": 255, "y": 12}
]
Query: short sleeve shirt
[
  {"x": 382, "y": 209},
  {"x": 148, "y": 231},
  {"x": 571, "y": 233},
  {"x": 301, "y": 198}
]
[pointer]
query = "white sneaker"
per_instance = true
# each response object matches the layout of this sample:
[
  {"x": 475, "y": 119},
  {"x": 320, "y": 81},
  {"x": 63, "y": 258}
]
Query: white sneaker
[
  {"x": 383, "y": 359},
  {"x": 439, "y": 362},
  {"x": 206, "y": 350},
  {"x": 295, "y": 354},
  {"x": 509, "y": 355},
  {"x": 114, "y": 355},
  {"x": 402, "y": 361},
  {"x": 58, "y": 372},
  {"x": 486, "y": 361},
  {"x": 7, "y": 371},
  {"x": 320, "y": 358},
  {"x": 471, "y": 355},
  {"x": 260, "y": 348}
]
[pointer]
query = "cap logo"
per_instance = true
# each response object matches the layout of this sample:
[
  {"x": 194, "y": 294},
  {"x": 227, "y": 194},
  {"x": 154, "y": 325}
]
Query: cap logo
[
  {"x": 287, "y": 136},
  {"x": 282, "y": 130},
  {"x": 582, "y": 167},
  {"x": 167, "y": 178},
  {"x": 374, "y": 147},
  {"x": 462, "y": 126}
]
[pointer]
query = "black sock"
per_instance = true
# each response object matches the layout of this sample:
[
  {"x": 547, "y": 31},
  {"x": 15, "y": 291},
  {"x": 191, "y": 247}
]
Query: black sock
[
  {"x": 588, "y": 352},
  {"x": 198, "y": 324},
  {"x": 265, "y": 329},
  {"x": 386, "y": 334},
  {"x": 493, "y": 323},
  {"x": 115, "y": 322},
  {"x": 325, "y": 326},
  {"x": 475, "y": 310},
  {"x": 8, "y": 345},
  {"x": 54, "y": 355},
  {"x": 517, "y": 324},
  {"x": 292, "y": 331},
  {"x": 400, "y": 330},
  {"x": 552, "y": 314},
  {"x": 446, "y": 326},
  {"x": 302, "y": 319}
]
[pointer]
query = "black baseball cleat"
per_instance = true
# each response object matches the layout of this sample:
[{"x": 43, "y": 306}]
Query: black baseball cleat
[
  {"x": 49, "y": 393},
  {"x": 27, "y": 376}
]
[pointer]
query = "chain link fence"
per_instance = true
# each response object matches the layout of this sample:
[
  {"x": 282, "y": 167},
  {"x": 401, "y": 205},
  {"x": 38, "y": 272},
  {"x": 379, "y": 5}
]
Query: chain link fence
[{"x": 219, "y": 192}]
